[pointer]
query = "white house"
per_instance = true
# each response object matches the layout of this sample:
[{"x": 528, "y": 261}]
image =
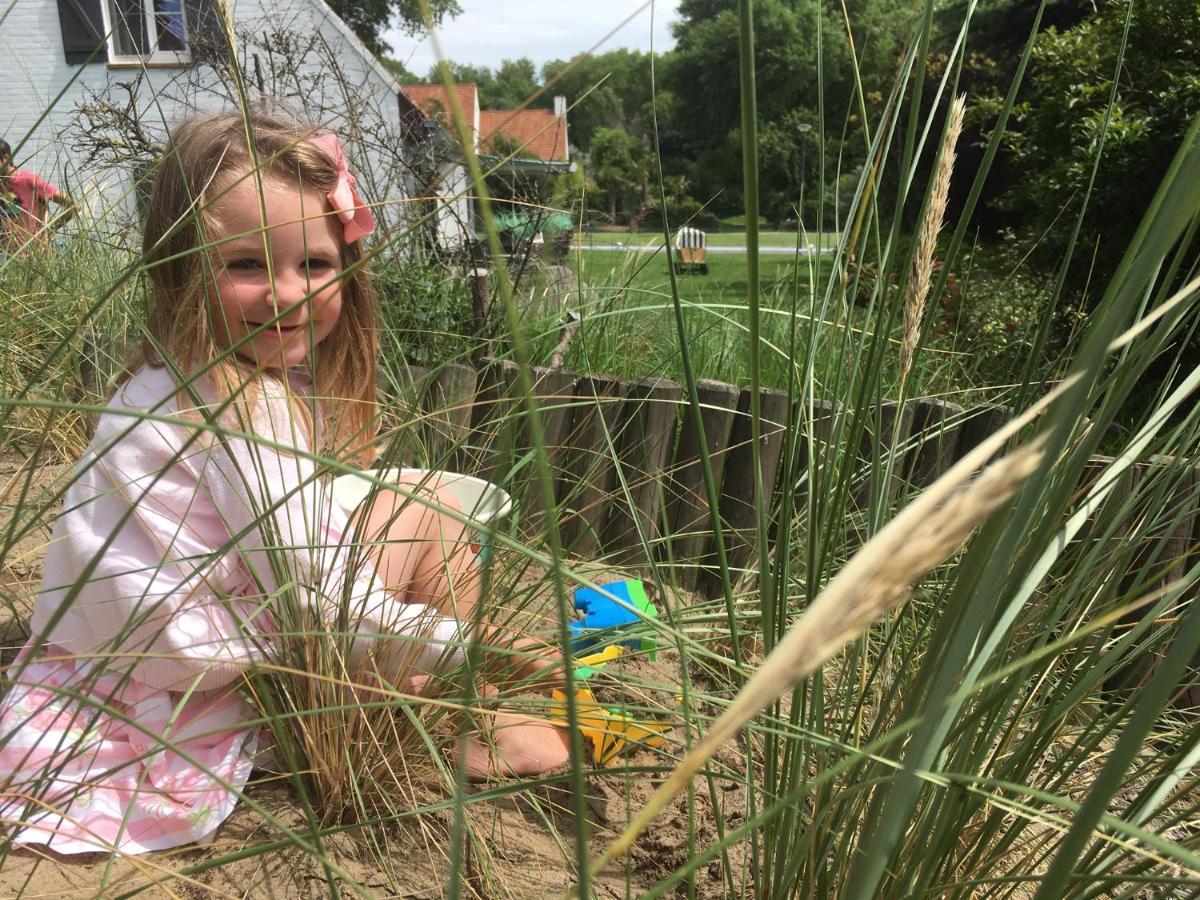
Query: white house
[
  {"x": 537, "y": 133},
  {"x": 92, "y": 86}
]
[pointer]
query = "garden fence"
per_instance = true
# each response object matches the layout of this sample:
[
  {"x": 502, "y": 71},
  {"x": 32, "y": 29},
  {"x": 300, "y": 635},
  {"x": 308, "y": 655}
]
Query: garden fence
[
  {"x": 628, "y": 481},
  {"x": 626, "y": 456}
]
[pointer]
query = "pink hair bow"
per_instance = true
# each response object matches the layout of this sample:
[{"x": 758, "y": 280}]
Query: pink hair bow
[{"x": 349, "y": 205}]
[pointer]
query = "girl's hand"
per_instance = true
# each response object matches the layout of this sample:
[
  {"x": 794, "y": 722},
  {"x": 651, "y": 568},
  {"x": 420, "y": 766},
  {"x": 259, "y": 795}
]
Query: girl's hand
[{"x": 533, "y": 662}]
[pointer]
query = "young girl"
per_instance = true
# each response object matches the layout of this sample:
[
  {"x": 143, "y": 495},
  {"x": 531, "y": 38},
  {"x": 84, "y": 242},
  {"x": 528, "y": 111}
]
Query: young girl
[{"x": 195, "y": 526}]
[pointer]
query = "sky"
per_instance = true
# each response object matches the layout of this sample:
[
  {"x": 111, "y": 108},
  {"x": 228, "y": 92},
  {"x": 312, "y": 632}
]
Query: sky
[{"x": 489, "y": 31}]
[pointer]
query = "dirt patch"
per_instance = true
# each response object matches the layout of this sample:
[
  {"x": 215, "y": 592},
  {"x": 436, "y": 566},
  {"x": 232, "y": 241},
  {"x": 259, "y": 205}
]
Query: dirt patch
[
  {"x": 28, "y": 494},
  {"x": 521, "y": 847}
]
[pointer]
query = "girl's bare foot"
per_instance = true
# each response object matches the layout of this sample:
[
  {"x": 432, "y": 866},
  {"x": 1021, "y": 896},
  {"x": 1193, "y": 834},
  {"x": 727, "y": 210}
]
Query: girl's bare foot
[{"x": 516, "y": 745}]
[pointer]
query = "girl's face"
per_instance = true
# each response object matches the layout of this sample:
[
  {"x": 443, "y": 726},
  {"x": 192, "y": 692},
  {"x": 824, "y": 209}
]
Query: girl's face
[{"x": 298, "y": 292}]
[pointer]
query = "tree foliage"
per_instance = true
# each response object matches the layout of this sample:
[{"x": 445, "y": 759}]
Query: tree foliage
[
  {"x": 704, "y": 76},
  {"x": 509, "y": 86},
  {"x": 399, "y": 71},
  {"x": 610, "y": 90},
  {"x": 999, "y": 31},
  {"x": 1063, "y": 123},
  {"x": 617, "y": 164},
  {"x": 802, "y": 58},
  {"x": 370, "y": 19}
]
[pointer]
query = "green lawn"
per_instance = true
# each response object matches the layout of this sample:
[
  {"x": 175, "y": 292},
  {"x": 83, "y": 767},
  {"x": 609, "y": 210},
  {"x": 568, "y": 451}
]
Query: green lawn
[
  {"x": 727, "y": 277},
  {"x": 721, "y": 239},
  {"x": 629, "y": 326}
]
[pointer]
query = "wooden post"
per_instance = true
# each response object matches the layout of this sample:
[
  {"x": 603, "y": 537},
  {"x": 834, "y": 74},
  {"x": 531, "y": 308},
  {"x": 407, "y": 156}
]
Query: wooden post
[
  {"x": 937, "y": 425},
  {"x": 1190, "y": 695},
  {"x": 817, "y": 436},
  {"x": 737, "y": 493},
  {"x": 1162, "y": 551},
  {"x": 827, "y": 417},
  {"x": 554, "y": 391},
  {"x": 406, "y": 384},
  {"x": 1181, "y": 503},
  {"x": 1093, "y": 471},
  {"x": 480, "y": 279},
  {"x": 649, "y": 422},
  {"x": 494, "y": 425},
  {"x": 981, "y": 422},
  {"x": 687, "y": 501},
  {"x": 449, "y": 401},
  {"x": 894, "y": 425},
  {"x": 402, "y": 419},
  {"x": 589, "y": 464}
]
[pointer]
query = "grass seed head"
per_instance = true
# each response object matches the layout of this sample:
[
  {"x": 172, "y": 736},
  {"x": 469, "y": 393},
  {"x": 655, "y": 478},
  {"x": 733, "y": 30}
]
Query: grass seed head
[
  {"x": 917, "y": 298},
  {"x": 878, "y": 579}
]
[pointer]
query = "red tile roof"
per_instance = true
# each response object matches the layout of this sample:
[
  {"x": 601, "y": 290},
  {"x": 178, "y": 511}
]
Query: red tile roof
[
  {"x": 539, "y": 131},
  {"x": 431, "y": 100}
]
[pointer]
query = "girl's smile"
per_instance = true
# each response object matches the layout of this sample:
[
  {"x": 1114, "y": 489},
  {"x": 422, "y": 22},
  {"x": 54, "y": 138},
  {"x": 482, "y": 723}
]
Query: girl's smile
[{"x": 278, "y": 290}]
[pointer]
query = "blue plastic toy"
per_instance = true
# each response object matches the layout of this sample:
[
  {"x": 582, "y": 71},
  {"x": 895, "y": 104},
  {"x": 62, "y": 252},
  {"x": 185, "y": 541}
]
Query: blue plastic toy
[{"x": 613, "y": 605}]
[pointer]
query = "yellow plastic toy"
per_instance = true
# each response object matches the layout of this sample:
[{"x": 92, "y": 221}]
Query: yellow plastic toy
[
  {"x": 610, "y": 731},
  {"x": 592, "y": 662}
]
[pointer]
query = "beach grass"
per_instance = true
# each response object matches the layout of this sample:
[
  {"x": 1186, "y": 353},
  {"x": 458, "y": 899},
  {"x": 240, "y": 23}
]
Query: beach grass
[{"x": 983, "y": 685}]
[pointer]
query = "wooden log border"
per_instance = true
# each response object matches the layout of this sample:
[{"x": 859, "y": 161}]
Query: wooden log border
[{"x": 602, "y": 432}]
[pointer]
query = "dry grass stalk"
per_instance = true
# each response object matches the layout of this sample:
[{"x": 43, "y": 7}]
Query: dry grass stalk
[
  {"x": 875, "y": 581},
  {"x": 921, "y": 276}
]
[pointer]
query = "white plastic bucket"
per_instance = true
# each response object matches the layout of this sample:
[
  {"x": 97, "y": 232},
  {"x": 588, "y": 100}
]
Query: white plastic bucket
[{"x": 480, "y": 501}]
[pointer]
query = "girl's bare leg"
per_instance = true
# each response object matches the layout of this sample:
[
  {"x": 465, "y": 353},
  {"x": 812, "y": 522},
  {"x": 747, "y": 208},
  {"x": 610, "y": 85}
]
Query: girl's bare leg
[{"x": 425, "y": 556}]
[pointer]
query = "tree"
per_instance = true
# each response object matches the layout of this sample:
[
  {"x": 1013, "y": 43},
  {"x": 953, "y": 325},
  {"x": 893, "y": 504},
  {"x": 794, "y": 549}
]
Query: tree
[
  {"x": 508, "y": 87},
  {"x": 786, "y": 153},
  {"x": 999, "y": 31},
  {"x": 704, "y": 75},
  {"x": 611, "y": 90},
  {"x": 516, "y": 81},
  {"x": 369, "y": 19},
  {"x": 399, "y": 71},
  {"x": 615, "y": 166},
  {"x": 465, "y": 73},
  {"x": 1060, "y": 126}
]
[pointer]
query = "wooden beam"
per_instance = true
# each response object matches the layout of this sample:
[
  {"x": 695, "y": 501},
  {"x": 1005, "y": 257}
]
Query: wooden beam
[
  {"x": 647, "y": 431},
  {"x": 687, "y": 502}
]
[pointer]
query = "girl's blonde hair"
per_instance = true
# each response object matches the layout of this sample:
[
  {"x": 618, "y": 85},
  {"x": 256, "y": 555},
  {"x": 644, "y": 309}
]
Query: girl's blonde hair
[{"x": 205, "y": 156}]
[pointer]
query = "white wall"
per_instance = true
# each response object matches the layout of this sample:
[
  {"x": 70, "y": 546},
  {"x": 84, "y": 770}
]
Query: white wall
[
  {"x": 36, "y": 72},
  {"x": 456, "y": 210}
]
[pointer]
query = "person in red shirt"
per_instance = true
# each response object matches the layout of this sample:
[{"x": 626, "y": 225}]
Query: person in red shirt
[{"x": 25, "y": 199}]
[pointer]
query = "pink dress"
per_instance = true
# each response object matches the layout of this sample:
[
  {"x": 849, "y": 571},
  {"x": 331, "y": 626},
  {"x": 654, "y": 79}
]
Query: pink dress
[{"x": 123, "y": 727}]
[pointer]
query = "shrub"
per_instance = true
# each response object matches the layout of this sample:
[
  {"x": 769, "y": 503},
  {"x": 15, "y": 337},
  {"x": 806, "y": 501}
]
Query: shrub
[
  {"x": 425, "y": 314},
  {"x": 992, "y": 309}
]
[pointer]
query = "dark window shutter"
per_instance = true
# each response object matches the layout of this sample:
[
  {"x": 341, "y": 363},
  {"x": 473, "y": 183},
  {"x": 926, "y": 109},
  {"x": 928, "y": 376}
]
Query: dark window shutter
[
  {"x": 82, "y": 30},
  {"x": 206, "y": 36}
]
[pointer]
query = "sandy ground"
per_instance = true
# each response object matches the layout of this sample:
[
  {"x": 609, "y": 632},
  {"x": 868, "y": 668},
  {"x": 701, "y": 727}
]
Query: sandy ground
[{"x": 524, "y": 840}]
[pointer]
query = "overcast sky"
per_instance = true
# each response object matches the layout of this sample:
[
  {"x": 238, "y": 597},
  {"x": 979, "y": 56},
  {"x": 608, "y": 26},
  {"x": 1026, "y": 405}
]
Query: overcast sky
[{"x": 489, "y": 31}]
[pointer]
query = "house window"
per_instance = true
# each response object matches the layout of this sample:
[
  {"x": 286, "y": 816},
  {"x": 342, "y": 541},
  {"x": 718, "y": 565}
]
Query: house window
[{"x": 140, "y": 31}]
